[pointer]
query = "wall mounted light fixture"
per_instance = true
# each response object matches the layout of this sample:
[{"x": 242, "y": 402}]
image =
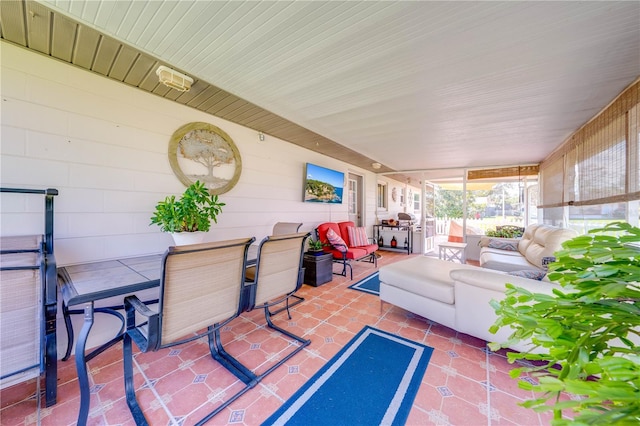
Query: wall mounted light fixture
[
  {"x": 376, "y": 166},
  {"x": 261, "y": 136},
  {"x": 174, "y": 79}
]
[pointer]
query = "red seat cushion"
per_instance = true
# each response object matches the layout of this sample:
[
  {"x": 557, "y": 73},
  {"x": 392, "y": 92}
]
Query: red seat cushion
[{"x": 355, "y": 253}]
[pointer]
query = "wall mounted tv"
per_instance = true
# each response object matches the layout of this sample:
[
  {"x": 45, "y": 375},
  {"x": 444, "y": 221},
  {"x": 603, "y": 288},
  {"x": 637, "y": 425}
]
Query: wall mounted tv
[{"x": 322, "y": 185}]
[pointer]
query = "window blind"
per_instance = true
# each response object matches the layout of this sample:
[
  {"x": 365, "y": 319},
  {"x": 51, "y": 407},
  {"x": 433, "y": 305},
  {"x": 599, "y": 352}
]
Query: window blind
[{"x": 599, "y": 163}]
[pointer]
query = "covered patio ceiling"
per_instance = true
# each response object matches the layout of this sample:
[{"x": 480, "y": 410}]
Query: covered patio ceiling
[{"x": 415, "y": 86}]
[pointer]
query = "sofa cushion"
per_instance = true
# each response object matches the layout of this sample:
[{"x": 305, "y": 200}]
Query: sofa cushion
[
  {"x": 336, "y": 241},
  {"x": 502, "y": 252},
  {"x": 424, "y": 276},
  {"x": 503, "y": 245},
  {"x": 546, "y": 241},
  {"x": 357, "y": 236},
  {"x": 527, "y": 238},
  {"x": 505, "y": 261}
]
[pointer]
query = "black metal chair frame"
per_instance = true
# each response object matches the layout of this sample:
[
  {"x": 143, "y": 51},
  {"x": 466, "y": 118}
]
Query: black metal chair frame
[
  {"x": 153, "y": 342},
  {"x": 49, "y": 356},
  {"x": 231, "y": 363}
]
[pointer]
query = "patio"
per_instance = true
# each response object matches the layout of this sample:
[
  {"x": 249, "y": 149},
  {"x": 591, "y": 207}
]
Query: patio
[{"x": 464, "y": 383}]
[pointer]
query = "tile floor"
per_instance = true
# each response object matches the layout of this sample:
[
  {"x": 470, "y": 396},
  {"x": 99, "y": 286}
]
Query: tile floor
[{"x": 465, "y": 384}]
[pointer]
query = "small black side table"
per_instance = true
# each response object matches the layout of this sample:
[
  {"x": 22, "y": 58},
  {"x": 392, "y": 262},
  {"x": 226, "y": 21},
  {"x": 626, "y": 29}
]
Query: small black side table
[{"x": 317, "y": 269}]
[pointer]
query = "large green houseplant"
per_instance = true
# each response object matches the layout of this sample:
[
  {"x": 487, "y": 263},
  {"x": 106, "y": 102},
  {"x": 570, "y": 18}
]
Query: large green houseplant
[
  {"x": 590, "y": 328},
  {"x": 192, "y": 212}
]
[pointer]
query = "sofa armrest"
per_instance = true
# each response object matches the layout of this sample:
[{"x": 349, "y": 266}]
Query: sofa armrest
[{"x": 474, "y": 290}]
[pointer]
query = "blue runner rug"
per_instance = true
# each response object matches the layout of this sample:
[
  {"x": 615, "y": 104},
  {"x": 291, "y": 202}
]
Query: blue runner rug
[
  {"x": 373, "y": 380},
  {"x": 370, "y": 284}
]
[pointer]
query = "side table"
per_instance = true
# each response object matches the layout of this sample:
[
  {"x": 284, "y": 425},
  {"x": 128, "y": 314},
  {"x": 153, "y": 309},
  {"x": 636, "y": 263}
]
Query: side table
[
  {"x": 317, "y": 269},
  {"x": 452, "y": 251}
]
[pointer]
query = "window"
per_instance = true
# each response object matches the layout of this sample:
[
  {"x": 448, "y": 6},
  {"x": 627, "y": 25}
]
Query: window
[
  {"x": 416, "y": 202},
  {"x": 595, "y": 175},
  {"x": 382, "y": 195},
  {"x": 352, "y": 196}
]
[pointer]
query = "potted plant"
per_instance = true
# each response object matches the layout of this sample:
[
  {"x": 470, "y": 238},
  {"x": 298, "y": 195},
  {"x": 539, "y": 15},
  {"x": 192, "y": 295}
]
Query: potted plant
[
  {"x": 189, "y": 215},
  {"x": 315, "y": 247},
  {"x": 590, "y": 328}
]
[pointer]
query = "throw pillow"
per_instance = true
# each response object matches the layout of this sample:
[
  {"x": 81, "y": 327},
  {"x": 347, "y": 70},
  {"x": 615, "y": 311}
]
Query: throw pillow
[
  {"x": 336, "y": 241},
  {"x": 547, "y": 260},
  {"x": 503, "y": 245},
  {"x": 358, "y": 236},
  {"x": 531, "y": 274}
]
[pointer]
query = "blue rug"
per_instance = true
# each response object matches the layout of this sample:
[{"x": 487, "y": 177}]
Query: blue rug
[
  {"x": 373, "y": 380},
  {"x": 370, "y": 284}
]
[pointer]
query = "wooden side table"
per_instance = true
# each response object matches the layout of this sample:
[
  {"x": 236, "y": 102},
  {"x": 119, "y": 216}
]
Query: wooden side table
[{"x": 317, "y": 269}]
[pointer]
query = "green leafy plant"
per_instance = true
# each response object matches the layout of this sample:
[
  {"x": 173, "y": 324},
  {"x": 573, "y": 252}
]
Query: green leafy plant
[
  {"x": 192, "y": 212},
  {"x": 590, "y": 328},
  {"x": 505, "y": 231},
  {"x": 315, "y": 245}
]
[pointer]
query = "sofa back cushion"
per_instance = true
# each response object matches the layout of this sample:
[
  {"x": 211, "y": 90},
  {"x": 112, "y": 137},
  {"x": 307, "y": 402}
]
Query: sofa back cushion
[
  {"x": 358, "y": 236},
  {"x": 344, "y": 233},
  {"x": 546, "y": 241},
  {"x": 527, "y": 238}
]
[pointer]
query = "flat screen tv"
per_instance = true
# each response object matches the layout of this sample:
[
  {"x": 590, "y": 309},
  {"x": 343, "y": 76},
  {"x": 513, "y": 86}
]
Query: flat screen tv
[{"x": 322, "y": 185}]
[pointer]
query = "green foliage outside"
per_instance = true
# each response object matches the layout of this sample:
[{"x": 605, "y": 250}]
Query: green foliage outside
[
  {"x": 590, "y": 327},
  {"x": 505, "y": 232},
  {"x": 192, "y": 212},
  {"x": 449, "y": 203}
]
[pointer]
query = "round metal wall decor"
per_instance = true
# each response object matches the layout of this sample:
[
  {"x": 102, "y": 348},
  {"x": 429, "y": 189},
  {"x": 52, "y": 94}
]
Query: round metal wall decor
[{"x": 204, "y": 152}]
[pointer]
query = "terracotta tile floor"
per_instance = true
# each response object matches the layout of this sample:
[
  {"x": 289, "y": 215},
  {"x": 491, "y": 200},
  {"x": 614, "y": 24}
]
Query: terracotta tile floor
[{"x": 464, "y": 384}]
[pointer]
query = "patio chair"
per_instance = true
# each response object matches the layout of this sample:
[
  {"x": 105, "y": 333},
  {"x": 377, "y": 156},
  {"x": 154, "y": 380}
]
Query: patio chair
[
  {"x": 275, "y": 278},
  {"x": 200, "y": 291},
  {"x": 344, "y": 249},
  {"x": 283, "y": 228}
]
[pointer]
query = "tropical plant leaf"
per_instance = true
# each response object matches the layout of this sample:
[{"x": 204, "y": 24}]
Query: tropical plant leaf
[{"x": 589, "y": 327}]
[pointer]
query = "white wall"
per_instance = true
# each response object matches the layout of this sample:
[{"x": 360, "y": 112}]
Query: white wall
[{"x": 104, "y": 146}]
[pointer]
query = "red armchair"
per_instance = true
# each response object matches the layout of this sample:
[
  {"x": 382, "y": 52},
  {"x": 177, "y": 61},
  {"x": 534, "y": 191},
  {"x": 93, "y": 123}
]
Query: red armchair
[{"x": 343, "y": 249}]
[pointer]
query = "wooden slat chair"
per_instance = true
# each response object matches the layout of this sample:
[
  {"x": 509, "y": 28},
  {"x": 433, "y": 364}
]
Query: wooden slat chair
[
  {"x": 275, "y": 278},
  {"x": 200, "y": 291}
]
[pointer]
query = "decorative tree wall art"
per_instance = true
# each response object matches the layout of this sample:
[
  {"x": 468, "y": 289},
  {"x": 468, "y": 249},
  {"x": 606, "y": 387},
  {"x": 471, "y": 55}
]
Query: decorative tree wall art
[{"x": 204, "y": 152}]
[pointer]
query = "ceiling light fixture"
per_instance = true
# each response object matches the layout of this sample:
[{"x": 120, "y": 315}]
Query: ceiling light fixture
[
  {"x": 174, "y": 79},
  {"x": 376, "y": 166}
]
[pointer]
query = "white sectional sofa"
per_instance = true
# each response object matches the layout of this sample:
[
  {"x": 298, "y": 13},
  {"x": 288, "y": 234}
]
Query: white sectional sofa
[
  {"x": 452, "y": 294},
  {"x": 537, "y": 245}
]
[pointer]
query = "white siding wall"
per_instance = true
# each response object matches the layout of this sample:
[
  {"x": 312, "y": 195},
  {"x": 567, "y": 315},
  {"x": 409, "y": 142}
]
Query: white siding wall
[{"x": 104, "y": 144}]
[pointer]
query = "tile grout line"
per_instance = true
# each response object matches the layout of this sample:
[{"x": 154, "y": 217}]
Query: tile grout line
[{"x": 172, "y": 419}]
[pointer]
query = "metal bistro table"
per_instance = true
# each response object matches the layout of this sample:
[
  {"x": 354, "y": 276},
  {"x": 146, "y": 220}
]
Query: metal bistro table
[
  {"x": 107, "y": 282},
  {"x": 84, "y": 285}
]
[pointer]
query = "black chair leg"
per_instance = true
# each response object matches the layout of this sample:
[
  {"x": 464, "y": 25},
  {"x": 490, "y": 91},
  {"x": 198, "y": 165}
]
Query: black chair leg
[
  {"x": 302, "y": 343},
  {"x": 129, "y": 387},
  {"x": 69, "y": 326},
  {"x": 229, "y": 362}
]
